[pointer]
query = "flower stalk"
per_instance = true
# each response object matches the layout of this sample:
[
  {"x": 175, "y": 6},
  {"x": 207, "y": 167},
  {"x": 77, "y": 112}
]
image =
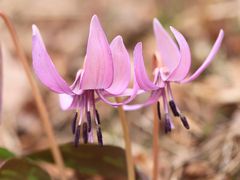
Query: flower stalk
[
  {"x": 155, "y": 146},
  {"x": 37, "y": 96},
  {"x": 127, "y": 140}
]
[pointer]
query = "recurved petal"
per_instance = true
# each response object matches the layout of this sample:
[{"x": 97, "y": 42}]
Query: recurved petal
[
  {"x": 167, "y": 48},
  {"x": 98, "y": 65},
  {"x": 121, "y": 66},
  {"x": 154, "y": 97},
  {"x": 208, "y": 60},
  {"x": 140, "y": 71},
  {"x": 44, "y": 67},
  {"x": 185, "y": 61}
]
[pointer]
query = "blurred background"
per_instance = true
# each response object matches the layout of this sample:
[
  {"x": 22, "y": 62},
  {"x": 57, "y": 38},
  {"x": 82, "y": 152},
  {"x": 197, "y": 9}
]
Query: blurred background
[{"x": 209, "y": 150}]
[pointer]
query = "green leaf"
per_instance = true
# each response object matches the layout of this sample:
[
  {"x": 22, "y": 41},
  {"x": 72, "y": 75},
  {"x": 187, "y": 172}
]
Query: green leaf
[
  {"x": 22, "y": 169},
  {"x": 90, "y": 160},
  {"x": 5, "y": 154}
]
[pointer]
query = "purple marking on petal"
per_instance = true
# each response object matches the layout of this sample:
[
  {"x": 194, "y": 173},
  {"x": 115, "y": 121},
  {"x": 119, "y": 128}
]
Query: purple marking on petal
[
  {"x": 98, "y": 65},
  {"x": 167, "y": 48},
  {"x": 121, "y": 66},
  {"x": 208, "y": 60},
  {"x": 44, "y": 67},
  {"x": 185, "y": 61},
  {"x": 140, "y": 71}
]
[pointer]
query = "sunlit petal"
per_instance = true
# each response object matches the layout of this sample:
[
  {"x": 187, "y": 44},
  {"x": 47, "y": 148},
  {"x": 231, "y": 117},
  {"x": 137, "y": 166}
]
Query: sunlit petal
[
  {"x": 167, "y": 48},
  {"x": 140, "y": 71},
  {"x": 154, "y": 97},
  {"x": 44, "y": 67},
  {"x": 98, "y": 65},
  {"x": 185, "y": 62},
  {"x": 121, "y": 66},
  {"x": 208, "y": 60}
]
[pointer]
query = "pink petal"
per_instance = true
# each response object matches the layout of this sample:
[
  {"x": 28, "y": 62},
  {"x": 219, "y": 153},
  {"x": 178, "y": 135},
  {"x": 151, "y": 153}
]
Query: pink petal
[
  {"x": 208, "y": 60},
  {"x": 155, "y": 95},
  {"x": 44, "y": 67},
  {"x": 133, "y": 93},
  {"x": 68, "y": 102},
  {"x": 76, "y": 84},
  {"x": 121, "y": 66},
  {"x": 140, "y": 71},
  {"x": 167, "y": 48},
  {"x": 98, "y": 65},
  {"x": 185, "y": 62}
]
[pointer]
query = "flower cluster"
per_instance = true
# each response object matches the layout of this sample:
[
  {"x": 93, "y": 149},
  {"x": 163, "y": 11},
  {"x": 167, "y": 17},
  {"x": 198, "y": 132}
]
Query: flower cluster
[{"x": 107, "y": 72}]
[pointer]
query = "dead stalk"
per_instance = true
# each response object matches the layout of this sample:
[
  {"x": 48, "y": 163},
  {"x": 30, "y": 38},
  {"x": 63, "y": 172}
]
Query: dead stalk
[{"x": 37, "y": 96}]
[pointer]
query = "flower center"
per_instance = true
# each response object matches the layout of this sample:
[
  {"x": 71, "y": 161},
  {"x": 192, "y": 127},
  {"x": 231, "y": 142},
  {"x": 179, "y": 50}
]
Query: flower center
[
  {"x": 168, "y": 124},
  {"x": 85, "y": 114}
]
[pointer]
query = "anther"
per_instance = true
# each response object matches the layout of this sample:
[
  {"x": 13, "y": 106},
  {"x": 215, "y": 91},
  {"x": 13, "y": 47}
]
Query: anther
[
  {"x": 159, "y": 110},
  {"x": 99, "y": 136},
  {"x": 89, "y": 121},
  {"x": 167, "y": 124},
  {"x": 77, "y": 136},
  {"x": 174, "y": 108},
  {"x": 85, "y": 133},
  {"x": 74, "y": 122},
  {"x": 184, "y": 122},
  {"x": 97, "y": 117}
]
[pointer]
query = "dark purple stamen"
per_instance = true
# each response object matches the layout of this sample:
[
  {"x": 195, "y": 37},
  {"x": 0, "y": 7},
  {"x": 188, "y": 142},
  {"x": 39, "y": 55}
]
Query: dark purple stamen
[
  {"x": 174, "y": 108},
  {"x": 74, "y": 122},
  {"x": 85, "y": 133},
  {"x": 184, "y": 122},
  {"x": 89, "y": 121},
  {"x": 77, "y": 136},
  {"x": 159, "y": 110},
  {"x": 97, "y": 117},
  {"x": 167, "y": 125},
  {"x": 99, "y": 136}
]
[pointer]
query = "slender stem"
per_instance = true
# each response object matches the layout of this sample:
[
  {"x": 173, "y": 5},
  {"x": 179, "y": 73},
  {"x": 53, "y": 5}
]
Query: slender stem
[
  {"x": 37, "y": 96},
  {"x": 127, "y": 140},
  {"x": 155, "y": 143},
  {"x": 156, "y": 62}
]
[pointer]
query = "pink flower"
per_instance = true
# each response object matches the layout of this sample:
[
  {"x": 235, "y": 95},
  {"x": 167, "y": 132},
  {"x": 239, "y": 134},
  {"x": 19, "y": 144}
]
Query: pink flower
[
  {"x": 172, "y": 65},
  {"x": 106, "y": 68}
]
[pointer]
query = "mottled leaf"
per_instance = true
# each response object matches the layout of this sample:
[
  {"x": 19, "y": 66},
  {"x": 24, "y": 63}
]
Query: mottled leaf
[
  {"x": 91, "y": 160},
  {"x": 22, "y": 169}
]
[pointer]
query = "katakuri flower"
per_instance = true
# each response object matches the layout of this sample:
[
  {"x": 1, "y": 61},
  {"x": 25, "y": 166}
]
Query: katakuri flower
[
  {"x": 171, "y": 64},
  {"x": 106, "y": 68}
]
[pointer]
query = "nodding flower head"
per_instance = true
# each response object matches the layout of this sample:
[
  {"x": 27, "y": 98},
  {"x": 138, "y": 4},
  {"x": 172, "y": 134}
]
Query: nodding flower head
[
  {"x": 172, "y": 63},
  {"x": 106, "y": 71}
]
